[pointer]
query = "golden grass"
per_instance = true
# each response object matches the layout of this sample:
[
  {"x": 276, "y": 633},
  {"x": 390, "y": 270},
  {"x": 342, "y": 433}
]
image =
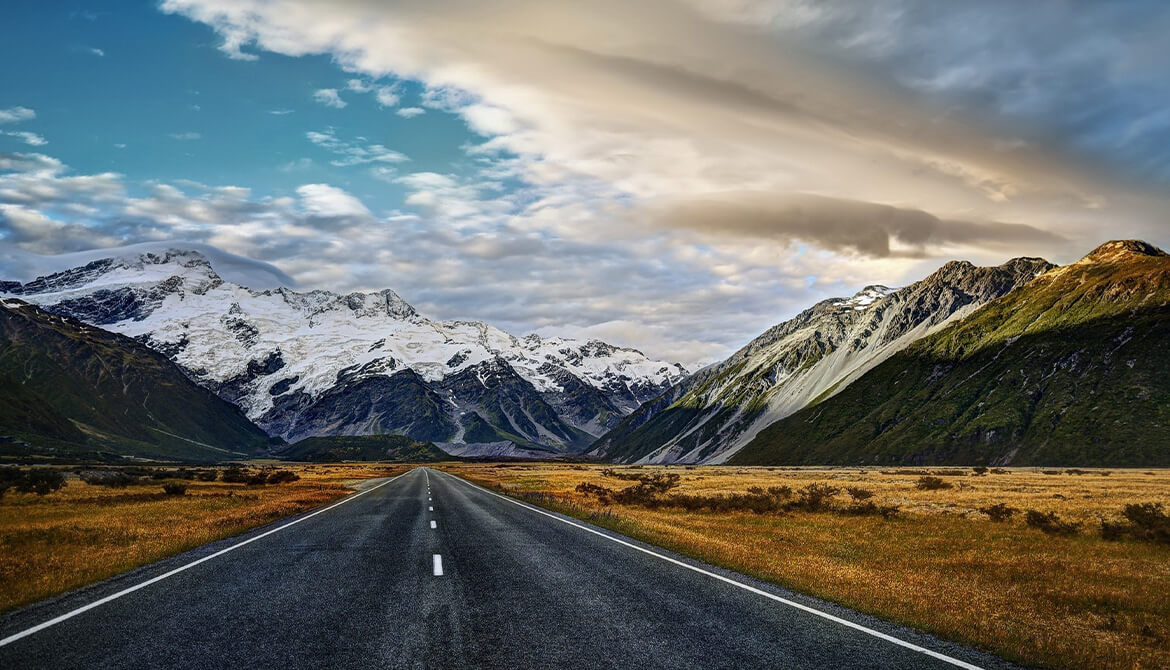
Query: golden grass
[
  {"x": 1067, "y": 602},
  {"x": 83, "y": 533}
]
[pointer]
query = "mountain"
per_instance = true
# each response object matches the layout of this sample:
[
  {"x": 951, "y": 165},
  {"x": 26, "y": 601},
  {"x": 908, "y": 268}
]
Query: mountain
[
  {"x": 1069, "y": 369},
  {"x": 67, "y": 388},
  {"x": 306, "y": 364},
  {"x": 337, "y": 448},
  {"x": 712, "y": 414}
]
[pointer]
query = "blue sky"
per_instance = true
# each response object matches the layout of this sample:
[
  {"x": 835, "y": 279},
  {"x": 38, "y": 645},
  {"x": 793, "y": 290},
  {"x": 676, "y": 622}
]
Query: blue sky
[{"x": 676, "y": 175}]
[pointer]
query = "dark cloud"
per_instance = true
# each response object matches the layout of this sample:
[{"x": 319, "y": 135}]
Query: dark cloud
[{"x": 841, "y": 225}]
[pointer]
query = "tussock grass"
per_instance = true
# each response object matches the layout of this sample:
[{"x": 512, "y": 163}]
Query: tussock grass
[
  {"x": 87, "y": 532},
  {"x": 960, "y": 562}
]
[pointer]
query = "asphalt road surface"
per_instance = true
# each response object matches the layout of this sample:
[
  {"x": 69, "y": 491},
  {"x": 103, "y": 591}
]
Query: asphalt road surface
[{"x": 429, "y": 571}]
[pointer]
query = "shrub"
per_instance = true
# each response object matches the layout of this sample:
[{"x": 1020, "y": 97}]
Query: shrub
[
  {"x": 207, "y": 475},
  {"x": 816, "y": 496},
  {"x": 235, "y": 475},
  {"x": 979, "y": 470},
  {"x": 858, "y": 494},
  {"x": 282, "y": 476},
  {"x": 1050, "y": 523},
  {"x": 999, "y": 512},
  {"x": 112, "y": 478},
  {"x": 928, "y": 483},
  {"x": 868, "y": 508},
  {"x": 41, "y": 481},
  {"x": 258, "y": 479},
  {"x": 998, "y": 471},
  {"x": 1112, "y": 531},
  {"x": 175, "y": 488},
  {"x": 1148, "y": 522}
]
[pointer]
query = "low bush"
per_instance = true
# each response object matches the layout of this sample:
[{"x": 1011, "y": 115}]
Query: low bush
[
  {"x": 175, "y": 488},
  {"x": 258, "y": 479},
  {"x": 999, "y": 512},
  {"x": 283, "y": 476},
  {"x": 979, "y": 470},
  {"x": 928, "y": 483},
  {"x": 816, "y": 496},
  {"x": 41, "y": 481},
  {"x": 869, "y": 508},
  {"x": 112, "y": 478},
  {"x": 1146, "y": 521},
  {"x": 207, "y": 475},
  {"x": 1050, "y": 523},
  {"x": 858, "y": 494},
  {"x": 236, "y": 475}
]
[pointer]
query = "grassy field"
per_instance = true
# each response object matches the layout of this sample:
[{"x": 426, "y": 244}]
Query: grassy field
[
  {"x": 1045, "y": 599},
  {"x": 85, "y": 533}
]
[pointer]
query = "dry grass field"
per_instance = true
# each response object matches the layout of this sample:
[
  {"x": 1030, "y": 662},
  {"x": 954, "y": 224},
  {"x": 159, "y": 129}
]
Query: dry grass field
[
  {"x": 1051, "y": 599},
  {"x": 84, "y": 532}
]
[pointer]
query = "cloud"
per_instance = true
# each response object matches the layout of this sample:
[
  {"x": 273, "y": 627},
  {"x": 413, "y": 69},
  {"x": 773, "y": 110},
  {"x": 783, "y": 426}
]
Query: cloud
[
  {"x": 31, "y": 139},
  {"x": 867, "y": 228},
  {"x": 410, "y": 112},
  {"x": 330, "y": 201},
  {"x": 329, "y": 97},
  {"x": 352, "y": 153},
  {"x": 16, "y": 114},
  {"x": 95, "y": 51},
  {"x": 185, "y": 137},
  {"x": 280, "y": 112},
  {"x": 386, "y": 96}
]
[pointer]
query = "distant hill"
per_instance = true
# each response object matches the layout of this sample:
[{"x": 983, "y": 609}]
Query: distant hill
[
  {"x": 334, "y": 448},
  {"x": 1070, "y": 369},
  {"x": 710, "y": 415},
  {"x": 67, "y": 388}
]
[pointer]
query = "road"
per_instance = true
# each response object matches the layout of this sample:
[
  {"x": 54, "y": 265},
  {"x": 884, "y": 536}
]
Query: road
[{"x": 429, "y": 571}]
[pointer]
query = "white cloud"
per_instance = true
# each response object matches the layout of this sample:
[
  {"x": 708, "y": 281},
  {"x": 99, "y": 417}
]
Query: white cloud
[
  {"x": 386, "y": 96},
  {"x": 358, "y": 86},
  {"x": 329, "y": 97},
  {"x": 185, "y": 137},
  {"x": 410, "y": 112},
  {"x": 16, "y": 114},
  {"x": 330, "y": 201},
  {"x": 95, "y": 51},
  {"x": 352, "y": 153},
  {"x": 280, "y": 112},
  {"x": 31, "y": 139}
]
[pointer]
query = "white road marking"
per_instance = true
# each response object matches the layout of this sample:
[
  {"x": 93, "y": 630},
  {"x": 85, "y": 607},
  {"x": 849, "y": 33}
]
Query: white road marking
[
  {"x": 430, "y": 508},
  {"x": 114, "y": 596},
  {"x": 438, "y": 561},
  {"x": 760, "y": 592},
  {"x": 433, "y": 525}
]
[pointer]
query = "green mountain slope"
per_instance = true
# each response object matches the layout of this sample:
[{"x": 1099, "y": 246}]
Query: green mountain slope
[
  {"x": 1069, "y": 369},
  {"x": 69, "y": 388},
  {"x": 397, "y": 448}
]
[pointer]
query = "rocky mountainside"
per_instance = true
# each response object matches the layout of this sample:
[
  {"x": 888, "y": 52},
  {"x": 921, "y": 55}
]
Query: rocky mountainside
[
  {"x": 1069, "y": 369},
  {"x": 70, "y": 389},
  {"x": 304, "y": 364},
  {"x": 712, "y": 414}
]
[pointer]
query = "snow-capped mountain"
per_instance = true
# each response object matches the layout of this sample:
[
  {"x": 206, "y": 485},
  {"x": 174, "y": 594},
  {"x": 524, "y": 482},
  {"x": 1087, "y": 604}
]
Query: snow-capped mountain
[
  {"x": 313, "y": 363},
  {"x": 716, "y": 411}
]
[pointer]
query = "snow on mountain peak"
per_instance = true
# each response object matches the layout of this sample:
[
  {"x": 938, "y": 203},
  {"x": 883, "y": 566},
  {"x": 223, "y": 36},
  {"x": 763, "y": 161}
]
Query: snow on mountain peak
[{"x": 866, "y": 297}]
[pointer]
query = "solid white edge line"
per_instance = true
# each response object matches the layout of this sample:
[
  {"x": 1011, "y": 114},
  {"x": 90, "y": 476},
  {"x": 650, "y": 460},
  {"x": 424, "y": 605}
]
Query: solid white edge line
[
  {"x": 114, "y": 596},
  {"x": 437, "y": 560},
  {"x": 728, "y": 580}
]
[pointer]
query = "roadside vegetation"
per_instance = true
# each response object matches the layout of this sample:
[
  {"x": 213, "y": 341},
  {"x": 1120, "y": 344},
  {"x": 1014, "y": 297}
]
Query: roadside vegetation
[
  {"x": 1065, "y": 568},
  {"x": 64, "y": 528}
]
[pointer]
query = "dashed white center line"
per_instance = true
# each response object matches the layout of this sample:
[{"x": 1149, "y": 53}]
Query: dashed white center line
[
  {"x": 438, "y": 565},
  {"x": 430, "y": 508},
  {"x": 433, "y": 525}
]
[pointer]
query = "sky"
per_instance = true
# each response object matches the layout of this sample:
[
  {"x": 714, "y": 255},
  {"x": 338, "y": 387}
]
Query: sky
[{"x": 675, "y": 175}]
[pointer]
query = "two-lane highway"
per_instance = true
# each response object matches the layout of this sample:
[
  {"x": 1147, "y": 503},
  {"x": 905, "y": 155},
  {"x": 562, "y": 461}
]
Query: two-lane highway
[{"x": 428, "y": 570}]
